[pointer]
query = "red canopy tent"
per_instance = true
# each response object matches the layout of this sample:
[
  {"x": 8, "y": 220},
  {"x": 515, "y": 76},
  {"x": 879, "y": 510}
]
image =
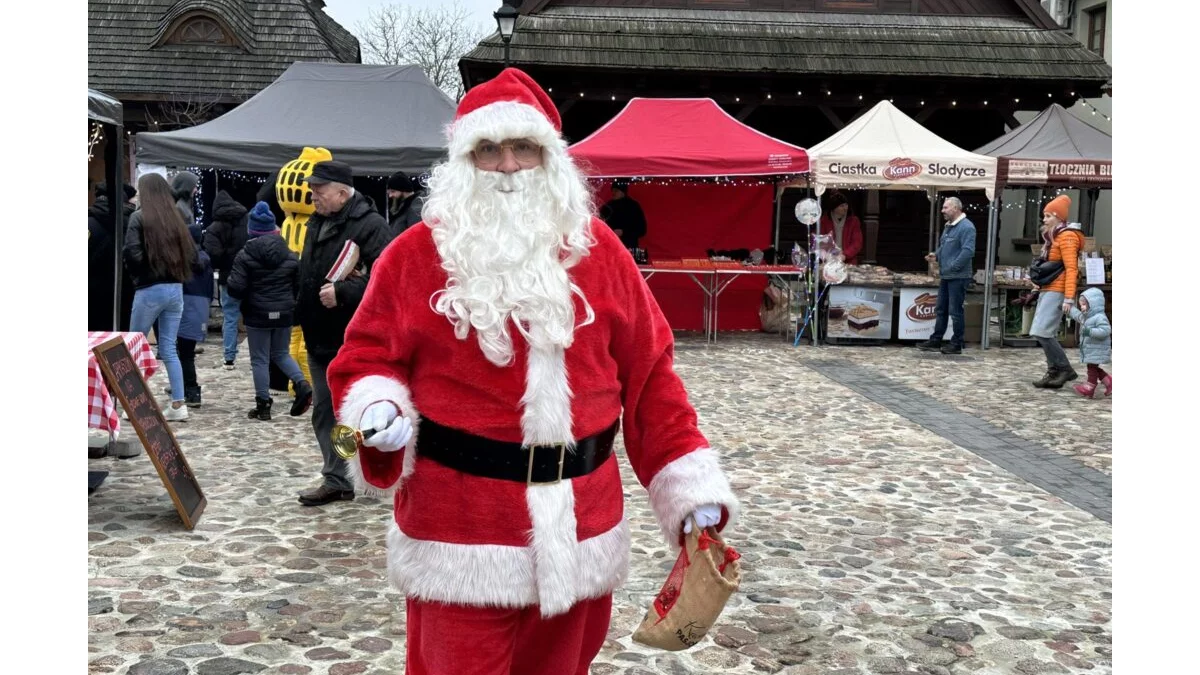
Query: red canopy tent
[{"x": 664, "y": 143}]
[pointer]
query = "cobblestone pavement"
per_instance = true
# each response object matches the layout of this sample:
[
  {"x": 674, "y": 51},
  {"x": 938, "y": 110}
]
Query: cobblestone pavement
[{"x": 871, "y": 544}]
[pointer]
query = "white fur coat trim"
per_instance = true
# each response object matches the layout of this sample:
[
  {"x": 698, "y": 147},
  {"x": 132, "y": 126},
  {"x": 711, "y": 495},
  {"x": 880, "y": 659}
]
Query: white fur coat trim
[
  {"x": 695, "y": 479},
  {"x": 500, "y": 121},
  {"x": 358, "y": 398},
  {"x": 488, "y": 575}
]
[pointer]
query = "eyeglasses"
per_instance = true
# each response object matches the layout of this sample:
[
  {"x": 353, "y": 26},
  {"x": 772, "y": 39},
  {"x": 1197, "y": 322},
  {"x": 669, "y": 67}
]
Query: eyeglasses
[{"x": 491, "y": 154}]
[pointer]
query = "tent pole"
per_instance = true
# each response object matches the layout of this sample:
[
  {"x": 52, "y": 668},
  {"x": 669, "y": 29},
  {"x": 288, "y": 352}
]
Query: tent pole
[
  {"x": 116, "y": 200},
  {"x": 778, "y": 209},
  {"x": 989, "y": 267},
  {"x": 932, "y": 218}
]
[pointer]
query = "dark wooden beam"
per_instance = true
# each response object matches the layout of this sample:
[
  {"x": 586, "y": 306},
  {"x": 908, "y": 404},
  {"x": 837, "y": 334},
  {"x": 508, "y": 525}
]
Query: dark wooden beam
[
  {"x": 566, "y": 105},
  {"x": 831, "y": 116},
  {"x": 925, "y": 114},
  {"x": 745, "y": 111},
  {"x": 861, "y": 111},
  {"x": 1010, "y": 120}
]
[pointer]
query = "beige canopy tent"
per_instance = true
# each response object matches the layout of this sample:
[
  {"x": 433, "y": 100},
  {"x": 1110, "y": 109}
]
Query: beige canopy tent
[{"x": 887, "y": 149}]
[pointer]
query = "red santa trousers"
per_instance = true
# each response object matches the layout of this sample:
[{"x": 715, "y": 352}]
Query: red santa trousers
[{"x": 460, "y": 640}]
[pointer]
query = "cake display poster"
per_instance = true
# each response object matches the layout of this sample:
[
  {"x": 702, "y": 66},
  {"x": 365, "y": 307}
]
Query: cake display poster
[
  {"x": 918, "y": 313},
  {"x": 856, "y": 312}
]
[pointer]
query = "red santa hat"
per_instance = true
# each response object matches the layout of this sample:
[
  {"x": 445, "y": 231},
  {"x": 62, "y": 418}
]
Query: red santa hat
[{"x": 511, "y": 105}]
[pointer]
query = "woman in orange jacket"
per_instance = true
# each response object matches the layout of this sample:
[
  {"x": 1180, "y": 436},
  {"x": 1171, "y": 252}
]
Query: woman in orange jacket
[{"x": 1062, "y": 242}]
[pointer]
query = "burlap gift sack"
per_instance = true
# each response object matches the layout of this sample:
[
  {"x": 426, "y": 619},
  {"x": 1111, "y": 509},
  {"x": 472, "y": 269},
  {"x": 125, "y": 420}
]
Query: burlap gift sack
[{"x": 706, "y": 573}]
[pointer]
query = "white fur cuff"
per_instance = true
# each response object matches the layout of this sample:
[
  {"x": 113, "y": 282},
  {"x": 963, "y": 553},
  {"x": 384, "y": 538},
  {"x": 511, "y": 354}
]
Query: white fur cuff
[
  {"x": 692, "y": 480},
  {"x": 358, "y": 398}
]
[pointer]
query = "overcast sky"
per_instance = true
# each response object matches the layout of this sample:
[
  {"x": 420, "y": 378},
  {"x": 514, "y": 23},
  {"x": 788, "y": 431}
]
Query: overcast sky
[{"x": 350, "y": 12}]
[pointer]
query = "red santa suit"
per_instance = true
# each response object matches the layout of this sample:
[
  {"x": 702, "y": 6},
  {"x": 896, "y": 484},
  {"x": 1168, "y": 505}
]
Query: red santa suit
[{"x": 533, "y": 556}]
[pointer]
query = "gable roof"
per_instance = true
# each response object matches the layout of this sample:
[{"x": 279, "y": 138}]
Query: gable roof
[
  {"x": 686, "y": 137},
  {"x": 127, "y": 57},
  {"x": 1014, "y": 47}
]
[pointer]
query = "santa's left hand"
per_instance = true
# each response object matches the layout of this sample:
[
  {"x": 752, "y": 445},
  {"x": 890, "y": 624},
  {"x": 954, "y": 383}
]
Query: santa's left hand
[{"x": 705, "y": 516}]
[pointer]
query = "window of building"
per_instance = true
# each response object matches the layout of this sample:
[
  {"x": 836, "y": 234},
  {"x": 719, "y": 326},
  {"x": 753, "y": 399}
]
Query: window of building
[
  {"x": 201, "y": 30},
  {"x": 1096, "y": 23}
]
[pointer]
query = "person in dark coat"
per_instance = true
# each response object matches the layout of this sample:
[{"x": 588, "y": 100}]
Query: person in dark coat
[
  {"x": 184, "y": 185},
  {"x": 193, "y": 326},
  {"x": 102, "y": 240},
  {"x": 265, "y": 278},
  {"x": 324, "y": 308},
  {"x": 624, "y": 215},
  {"x": 404, "y": 203},
  {"x": 222, "y": 241}
]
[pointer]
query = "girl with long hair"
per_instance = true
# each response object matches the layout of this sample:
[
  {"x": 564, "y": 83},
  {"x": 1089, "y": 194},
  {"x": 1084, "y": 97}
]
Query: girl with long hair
[{"x": 160, "y": 256}]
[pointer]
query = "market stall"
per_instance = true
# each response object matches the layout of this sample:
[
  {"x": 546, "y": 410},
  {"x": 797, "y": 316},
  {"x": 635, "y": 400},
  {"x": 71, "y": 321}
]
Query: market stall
[
  {"x": 398, "y": 121},
  {"x": 706, "y": 182},
  {"x": 1054, "y": 149},
  {"x": 106, "y": 117},
  {"x": 888, "y": 150}
]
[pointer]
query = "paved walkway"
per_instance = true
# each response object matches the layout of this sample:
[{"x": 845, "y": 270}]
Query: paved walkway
[{"x": 879, "y": 536}]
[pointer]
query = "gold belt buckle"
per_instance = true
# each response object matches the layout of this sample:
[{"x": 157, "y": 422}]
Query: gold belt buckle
[{"x": 562, "y": 455}]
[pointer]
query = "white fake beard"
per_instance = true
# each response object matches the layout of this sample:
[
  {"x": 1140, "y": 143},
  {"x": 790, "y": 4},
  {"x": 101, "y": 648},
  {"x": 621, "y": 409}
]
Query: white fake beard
[{"x": 506, "y": 243}]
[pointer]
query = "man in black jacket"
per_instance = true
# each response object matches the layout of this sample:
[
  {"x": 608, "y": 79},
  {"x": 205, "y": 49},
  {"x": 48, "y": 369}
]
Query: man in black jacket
[
  {"x": 324, "y": 308},
  {"x": 222, "y": 241},
  {"x": 404, "y": 204},
  {"x": 624, "y": 215}
]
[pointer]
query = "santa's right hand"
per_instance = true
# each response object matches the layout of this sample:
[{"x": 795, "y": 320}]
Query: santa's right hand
[{"x": 392, "y": 430}]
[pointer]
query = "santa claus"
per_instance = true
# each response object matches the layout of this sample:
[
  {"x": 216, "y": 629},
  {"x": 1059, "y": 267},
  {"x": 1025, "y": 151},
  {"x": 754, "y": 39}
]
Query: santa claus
[{"x": 500, "y": 345}]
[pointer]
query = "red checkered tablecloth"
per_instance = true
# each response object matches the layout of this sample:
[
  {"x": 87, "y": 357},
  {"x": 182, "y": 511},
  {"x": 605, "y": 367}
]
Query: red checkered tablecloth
[{"x": 102, "y": 407}]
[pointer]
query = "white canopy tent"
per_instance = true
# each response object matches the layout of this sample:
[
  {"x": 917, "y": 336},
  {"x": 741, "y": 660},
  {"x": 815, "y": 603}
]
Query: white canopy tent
[{"x": 887, "y": 150}]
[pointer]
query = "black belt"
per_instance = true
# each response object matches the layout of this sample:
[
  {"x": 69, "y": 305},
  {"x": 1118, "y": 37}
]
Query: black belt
[{"x": 535, "y": 464}]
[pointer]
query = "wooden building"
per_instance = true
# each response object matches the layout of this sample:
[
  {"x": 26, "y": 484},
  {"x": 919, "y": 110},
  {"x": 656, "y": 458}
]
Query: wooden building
[
  {"x": 175, "y": 63},
  {"x": 800, "y": 70}
]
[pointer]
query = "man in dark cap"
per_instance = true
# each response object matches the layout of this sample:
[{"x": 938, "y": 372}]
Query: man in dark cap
[
  {"x": 624, "y": 215},
  {"x": 404, "y": 204},
  {"x": 324, "y": 307}
]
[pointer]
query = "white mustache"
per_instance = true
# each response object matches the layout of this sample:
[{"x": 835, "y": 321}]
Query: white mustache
[{"x": 507, "y": 182}]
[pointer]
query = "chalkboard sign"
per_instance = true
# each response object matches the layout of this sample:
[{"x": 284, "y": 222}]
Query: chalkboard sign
[{"x": 125, "y": 381}]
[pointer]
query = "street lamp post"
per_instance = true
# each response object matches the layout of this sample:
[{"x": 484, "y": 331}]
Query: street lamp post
[{"x": 506, "y": 20}]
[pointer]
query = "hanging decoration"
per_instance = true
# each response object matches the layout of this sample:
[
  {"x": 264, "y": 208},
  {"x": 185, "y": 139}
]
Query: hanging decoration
[{"x": 96, "y": 135}]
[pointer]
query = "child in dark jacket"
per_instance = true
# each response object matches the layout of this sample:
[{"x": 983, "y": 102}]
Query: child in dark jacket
[
  {"x": 193, "y": 326},
  {"x": 265, "y": 276}
]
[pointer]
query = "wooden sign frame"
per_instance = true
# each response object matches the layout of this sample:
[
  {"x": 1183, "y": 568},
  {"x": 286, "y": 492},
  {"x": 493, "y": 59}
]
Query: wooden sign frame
[{"x": 169, "y": 461}]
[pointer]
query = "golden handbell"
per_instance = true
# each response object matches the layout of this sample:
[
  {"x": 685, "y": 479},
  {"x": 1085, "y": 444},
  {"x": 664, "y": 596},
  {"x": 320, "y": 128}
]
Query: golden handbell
[{"x": 347, "y": 439}]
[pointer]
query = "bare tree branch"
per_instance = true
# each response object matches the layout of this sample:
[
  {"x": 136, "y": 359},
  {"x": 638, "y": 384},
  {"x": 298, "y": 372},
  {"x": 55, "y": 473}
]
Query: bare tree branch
[
  {"x": 434, "y": 38},
  {"x": 180, "y": 111}
]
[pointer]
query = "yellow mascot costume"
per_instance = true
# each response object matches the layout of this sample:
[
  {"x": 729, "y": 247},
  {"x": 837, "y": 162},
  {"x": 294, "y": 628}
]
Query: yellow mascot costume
[{"x": 295, "y": 198}]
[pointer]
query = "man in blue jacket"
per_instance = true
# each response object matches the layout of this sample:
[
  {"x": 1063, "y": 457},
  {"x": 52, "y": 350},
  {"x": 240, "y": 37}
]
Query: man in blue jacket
[{"x": 955, "y": 257}]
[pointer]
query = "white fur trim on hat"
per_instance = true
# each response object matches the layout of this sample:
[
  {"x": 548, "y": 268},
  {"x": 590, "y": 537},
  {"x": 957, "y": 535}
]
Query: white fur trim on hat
[{"x": 500, "y": 121}]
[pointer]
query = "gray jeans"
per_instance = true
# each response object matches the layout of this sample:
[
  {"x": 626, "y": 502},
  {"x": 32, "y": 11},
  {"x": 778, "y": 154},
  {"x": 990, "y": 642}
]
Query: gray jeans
[
  {"x": 334, "y": 469},
  {"x": 1055, "y": 356}
]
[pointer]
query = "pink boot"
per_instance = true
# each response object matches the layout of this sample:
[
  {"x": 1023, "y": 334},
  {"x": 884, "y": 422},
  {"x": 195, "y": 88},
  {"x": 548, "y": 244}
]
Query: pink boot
[
  {"x": 1086, "y": 389},
  {"x": 1107, "y": 385}
]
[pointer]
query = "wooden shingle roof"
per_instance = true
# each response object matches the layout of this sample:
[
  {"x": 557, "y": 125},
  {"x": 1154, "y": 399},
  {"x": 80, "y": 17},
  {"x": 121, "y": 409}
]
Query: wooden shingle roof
[
  {"x": 127, "y": 56},
  {"x": 874, "y": 45}
]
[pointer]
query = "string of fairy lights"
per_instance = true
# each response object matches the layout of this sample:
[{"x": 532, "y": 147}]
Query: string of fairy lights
[
  {"x": 94, "y": 137},
  {"x": 225, "y": 177}
]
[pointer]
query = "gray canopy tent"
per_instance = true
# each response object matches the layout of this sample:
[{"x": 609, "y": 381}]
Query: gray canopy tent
[
  {"x": 378, "y": 119},
  {"x": 1054, "y": 149},
  {"x": 107, "y": 110}
]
